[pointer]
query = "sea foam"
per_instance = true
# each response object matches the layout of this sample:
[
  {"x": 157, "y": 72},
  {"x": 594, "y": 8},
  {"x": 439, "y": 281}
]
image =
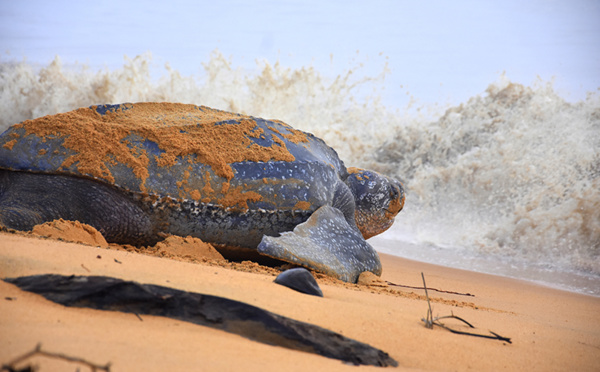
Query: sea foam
[{"x": 512, "y": 176}]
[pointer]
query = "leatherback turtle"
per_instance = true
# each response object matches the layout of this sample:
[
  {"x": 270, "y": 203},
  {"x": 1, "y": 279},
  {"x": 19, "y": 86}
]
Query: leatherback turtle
[{"x": 137, "y": 172}]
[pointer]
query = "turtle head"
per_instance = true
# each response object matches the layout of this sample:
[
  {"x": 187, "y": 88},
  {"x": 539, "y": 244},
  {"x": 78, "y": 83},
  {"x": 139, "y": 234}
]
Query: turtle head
[{"x": 377, "y": 198}]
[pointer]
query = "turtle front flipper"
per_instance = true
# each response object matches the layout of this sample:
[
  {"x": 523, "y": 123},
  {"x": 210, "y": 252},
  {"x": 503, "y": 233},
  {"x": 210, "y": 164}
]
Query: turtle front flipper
[{"x": 326, "y": 243}]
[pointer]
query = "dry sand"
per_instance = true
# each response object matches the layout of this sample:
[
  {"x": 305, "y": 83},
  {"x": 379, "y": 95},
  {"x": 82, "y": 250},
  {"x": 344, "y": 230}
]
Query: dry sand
[{"x": 551, "y": 330}]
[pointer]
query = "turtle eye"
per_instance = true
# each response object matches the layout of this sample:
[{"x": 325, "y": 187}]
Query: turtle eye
[{"x": 394, "y": 192}]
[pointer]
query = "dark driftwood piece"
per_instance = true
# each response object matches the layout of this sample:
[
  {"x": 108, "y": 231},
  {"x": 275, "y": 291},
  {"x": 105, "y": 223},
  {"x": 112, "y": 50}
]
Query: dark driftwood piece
[{"x": 105, "y": 293}]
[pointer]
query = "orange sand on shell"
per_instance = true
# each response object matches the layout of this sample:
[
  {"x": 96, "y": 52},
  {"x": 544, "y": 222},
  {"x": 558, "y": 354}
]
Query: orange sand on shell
[
  {"x": 295, "y": 136},
  {"x": 302, "y": 205},
  {"x": 238, "y": 197},
  {"x": 10, "y": 144},
  {"x": 99, "y": 139}
]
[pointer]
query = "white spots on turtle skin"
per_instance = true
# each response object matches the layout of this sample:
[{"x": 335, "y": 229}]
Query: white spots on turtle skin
[
  {"x": 216, "y": 224},
  {"x": 378, "y": 199},
  {"x": 327, "y": 243},
  {"x": 378, "y": 196},
  {"x": 283, "y": 184}
]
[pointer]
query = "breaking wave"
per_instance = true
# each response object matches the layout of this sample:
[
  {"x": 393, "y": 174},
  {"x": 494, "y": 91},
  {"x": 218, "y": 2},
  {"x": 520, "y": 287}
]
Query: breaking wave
[{"x": 513, "y": 172}]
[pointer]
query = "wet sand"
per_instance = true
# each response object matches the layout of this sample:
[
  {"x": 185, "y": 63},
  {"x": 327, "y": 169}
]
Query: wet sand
[{"x": 551, "y": 330}]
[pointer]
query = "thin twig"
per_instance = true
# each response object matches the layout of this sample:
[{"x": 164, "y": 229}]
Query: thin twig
[
  {"x": 38, "y": 351},
  {"x": 454, "y": 317},
  {"x": 430, "y": 322},
  {"x": 494, "y": 337},
  {"x": 507, "y": 339},
  {"x": 431, "y": 289}
]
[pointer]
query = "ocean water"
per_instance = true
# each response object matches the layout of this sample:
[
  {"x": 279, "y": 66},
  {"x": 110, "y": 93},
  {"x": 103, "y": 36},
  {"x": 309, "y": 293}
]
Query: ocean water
[{"x": 502, "y": 170}]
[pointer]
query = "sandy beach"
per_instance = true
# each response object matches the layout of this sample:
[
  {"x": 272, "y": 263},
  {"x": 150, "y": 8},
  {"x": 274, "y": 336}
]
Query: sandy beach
[
  {"x": 238, "y": 121},
  {"x": 550, "y": 330}
]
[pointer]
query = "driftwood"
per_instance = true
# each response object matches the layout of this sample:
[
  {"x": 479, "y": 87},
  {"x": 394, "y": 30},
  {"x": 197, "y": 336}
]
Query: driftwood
[
  {"x": 105, "y": 293},
  {"x": 430, "y": 321}
]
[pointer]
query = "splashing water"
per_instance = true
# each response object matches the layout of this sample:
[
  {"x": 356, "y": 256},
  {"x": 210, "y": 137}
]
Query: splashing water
[
  {"x": 514, "y": 174},
  {"x": 511, "y": 174}
]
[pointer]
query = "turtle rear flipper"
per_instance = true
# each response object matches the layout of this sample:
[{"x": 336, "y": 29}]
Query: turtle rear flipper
[{"x": 326, "y": 243}]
